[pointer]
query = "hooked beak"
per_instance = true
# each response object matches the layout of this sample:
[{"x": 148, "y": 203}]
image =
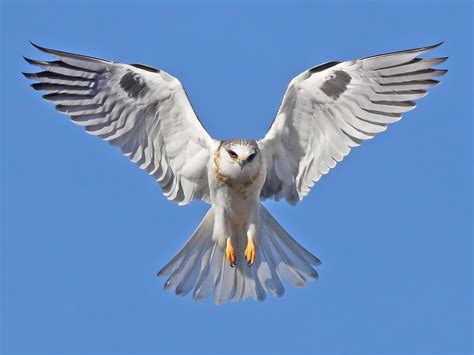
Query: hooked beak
[{"x": 241, "y": 163}]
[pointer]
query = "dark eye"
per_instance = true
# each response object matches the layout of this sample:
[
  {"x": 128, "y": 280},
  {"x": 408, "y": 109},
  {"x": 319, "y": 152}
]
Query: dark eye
[
  {"x": 232, "y": 154},
  {"x": 251, "y": 156}
]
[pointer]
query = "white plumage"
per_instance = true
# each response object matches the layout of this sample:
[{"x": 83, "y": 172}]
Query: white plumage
[{"x": 239, "y": 250}]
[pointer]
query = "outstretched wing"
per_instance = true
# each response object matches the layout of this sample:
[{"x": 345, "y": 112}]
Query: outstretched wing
[
  {"x": 331, "y": 108},
  {"x": 143, "y": 111}
]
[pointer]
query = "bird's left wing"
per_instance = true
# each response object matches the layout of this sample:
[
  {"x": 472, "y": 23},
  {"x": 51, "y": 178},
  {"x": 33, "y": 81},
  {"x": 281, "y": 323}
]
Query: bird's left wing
[
  {"x": 331, "y": 108},
  {"x": 142, "y": 110}
]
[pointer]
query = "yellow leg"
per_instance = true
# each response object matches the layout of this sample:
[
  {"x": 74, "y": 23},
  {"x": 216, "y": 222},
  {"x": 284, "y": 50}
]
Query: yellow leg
[
  {"x": 250, "y": 251},
  {"x": 230, "y": 253}
]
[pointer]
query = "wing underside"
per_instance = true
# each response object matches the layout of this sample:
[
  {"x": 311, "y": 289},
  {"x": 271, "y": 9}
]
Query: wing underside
[{"x": 329, "y": 109}]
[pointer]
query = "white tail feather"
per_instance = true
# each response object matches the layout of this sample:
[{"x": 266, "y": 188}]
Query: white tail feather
[{"x": 201, "y": 265}]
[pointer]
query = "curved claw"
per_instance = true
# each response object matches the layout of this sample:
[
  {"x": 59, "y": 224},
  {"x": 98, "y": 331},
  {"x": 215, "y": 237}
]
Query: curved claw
[
  {"x": 230, "y": 253},
  {"x": 250, "y": 252}
]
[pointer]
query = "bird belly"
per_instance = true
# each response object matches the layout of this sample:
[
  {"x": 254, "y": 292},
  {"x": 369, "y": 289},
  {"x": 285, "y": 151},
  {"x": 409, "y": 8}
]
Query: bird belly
[{"x": 239, "y": 204}]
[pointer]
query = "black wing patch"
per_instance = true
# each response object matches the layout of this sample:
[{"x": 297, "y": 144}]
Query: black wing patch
[
  {"x": 337, "y": 84},
  {"x": 134, "y": 85}
]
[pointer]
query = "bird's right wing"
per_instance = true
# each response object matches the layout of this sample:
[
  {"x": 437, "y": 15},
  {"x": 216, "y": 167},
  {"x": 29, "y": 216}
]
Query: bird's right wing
[
  {"x": 331, "y": 108},
  {"x": 142, "y": 110}
]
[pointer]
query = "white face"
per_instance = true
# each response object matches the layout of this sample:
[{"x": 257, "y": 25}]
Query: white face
[{"x": 239, "y": 160}]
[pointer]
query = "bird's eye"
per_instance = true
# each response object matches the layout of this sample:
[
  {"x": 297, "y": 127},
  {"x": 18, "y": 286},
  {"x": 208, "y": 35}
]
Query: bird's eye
[
  {"x": 232, "y": 154},
  {"x": 251, "y": 156}
]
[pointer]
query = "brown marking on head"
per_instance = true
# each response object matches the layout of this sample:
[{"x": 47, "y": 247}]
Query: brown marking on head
[
  {"x": 238, "y": 141},
  {"x": 217, "y": 162}
]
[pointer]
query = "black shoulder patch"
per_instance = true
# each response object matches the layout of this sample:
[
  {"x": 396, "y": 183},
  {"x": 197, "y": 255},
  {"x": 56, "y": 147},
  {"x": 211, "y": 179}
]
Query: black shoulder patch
[
  {"x": 322, "y": 67},
  {"x": 134, "y": 85},
  {"x": 146, "y": 67},
  {"x": 337, "y": 84}
]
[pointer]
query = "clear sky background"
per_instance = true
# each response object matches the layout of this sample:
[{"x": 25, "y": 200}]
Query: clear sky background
[{"x": 84, "y": 230}]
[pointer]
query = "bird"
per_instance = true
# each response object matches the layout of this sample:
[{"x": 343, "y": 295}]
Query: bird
[{"x": 238, "y": 251}]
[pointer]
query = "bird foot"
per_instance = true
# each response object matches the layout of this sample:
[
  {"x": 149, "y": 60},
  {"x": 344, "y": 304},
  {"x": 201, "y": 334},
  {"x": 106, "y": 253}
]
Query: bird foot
[
  {"x": 250, "y": 252},
  {"x": 230, "y": 253}
]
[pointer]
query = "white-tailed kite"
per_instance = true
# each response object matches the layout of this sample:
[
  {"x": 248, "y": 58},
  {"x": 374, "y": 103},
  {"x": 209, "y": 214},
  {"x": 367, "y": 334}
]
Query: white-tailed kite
[{"x": 238, "y": 250}]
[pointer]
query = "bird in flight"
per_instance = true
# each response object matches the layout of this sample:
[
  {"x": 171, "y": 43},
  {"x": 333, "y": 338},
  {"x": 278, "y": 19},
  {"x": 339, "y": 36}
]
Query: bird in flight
[{"x": 239, "y": 250}]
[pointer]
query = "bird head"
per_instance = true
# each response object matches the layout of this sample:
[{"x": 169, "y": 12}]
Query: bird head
[{"x": 239, "y": 158}]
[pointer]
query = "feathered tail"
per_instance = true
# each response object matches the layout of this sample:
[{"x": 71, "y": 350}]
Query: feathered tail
[{"x": 201, "y": 265}]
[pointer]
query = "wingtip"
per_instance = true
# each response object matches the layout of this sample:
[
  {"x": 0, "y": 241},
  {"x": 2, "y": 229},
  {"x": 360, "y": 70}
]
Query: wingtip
[
  {"x": 28, "y": 60},
  {"x": 38, "y": 47},
  {"x": 436, "y": 45},
  {"x": 61, "y": 54},
  {"x": 38, "y": 86},
  {"x": 44, "y": 49},
  {"x": 429, "y": 48},
  {"x": 35, "y": 45},
  {"x": 28, "y": 75}
]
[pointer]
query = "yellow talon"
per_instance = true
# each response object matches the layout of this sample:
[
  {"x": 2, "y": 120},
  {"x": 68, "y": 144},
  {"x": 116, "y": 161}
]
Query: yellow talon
[
  {"x": 230, "y": 253},
  {"x": 250, "y": 252}
]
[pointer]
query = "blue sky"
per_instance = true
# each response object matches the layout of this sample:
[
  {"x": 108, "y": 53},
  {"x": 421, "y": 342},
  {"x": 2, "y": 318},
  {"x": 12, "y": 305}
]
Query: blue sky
[{"x": 84, "y": 230}]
